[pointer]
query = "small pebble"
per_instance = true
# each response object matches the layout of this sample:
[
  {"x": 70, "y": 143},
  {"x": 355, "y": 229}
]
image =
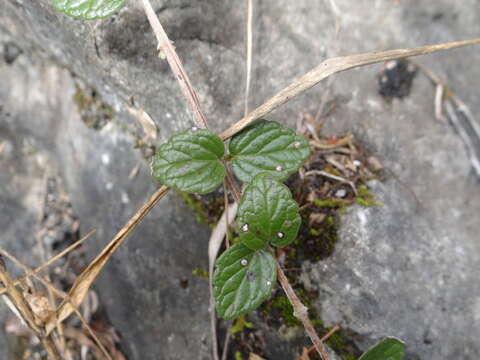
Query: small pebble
[
  {"x": 280, "y": 235},
  {"x": 340, "y": 193},
  {"x": 244, "y": 262}
]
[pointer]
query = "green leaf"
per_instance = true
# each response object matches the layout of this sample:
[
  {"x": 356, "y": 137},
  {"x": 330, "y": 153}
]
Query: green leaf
[
  {"x": 389, "y": 348},
  {"x": 190, "y": 162},
  {"x": 243, "y": 280},
  {"x": 267, "y": 214},
  {"x": 88, "y": 9},
  {"x": 267, "y": 146}
]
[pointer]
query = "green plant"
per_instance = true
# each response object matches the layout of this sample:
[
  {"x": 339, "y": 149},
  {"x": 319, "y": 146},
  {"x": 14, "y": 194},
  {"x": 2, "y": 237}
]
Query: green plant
[
  {"x": 88, "y": 9},
  {"x": 194, "y": 161},
  {"x": 261, "y": 155},
  {"x": 387, "y": 349}
]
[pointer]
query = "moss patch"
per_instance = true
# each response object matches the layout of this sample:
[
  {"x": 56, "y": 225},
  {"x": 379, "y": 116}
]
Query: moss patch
[
  {"x": 207, "y": 208},
  {"x": 93, "y": 111},
  {"x": 365, "y": 198}
]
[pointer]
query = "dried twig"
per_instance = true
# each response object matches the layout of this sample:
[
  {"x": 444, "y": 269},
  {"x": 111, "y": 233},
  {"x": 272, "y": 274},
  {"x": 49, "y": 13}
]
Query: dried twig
[
  {"x": 26, "y": 312},
  {"x": 332, "y": 66},
  {"x": 330, "y": 333},
  {"x": 165, "y": 45},
  {"x": 228, "y": 337},
  {"x": 86, "y": 278},
  {"x": 49, "y": 262},
  {"x": 334, "y": 177},
  {"x": 300, "y": 311},
  {"x": 458, "y": 113},
  {"x": 59, "y": 294}
]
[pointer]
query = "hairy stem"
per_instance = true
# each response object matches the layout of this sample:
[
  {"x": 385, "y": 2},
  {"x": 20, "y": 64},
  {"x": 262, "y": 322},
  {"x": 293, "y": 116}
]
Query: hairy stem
[{"x": 301, "y": 313}]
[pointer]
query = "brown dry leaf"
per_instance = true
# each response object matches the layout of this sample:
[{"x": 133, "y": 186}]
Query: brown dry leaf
[
  {"x": 83, "y": 282},
  {"x": 316, "y": 218},
  {"x": 40, "y": 306},
  {"x": 148, "y": 125},
  {"x": 374, "y": 163}
]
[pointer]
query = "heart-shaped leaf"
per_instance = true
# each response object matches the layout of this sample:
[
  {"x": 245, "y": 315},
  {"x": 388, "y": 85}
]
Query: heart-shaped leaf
[
  {"x": 244, "y": 278},
  {"x": 389, "y": 348},
  {"x": 190, "y": 162},
  {"x": 88, "y": 9},
  {"x": 267, "y": 146},
  {"x": 267, "y": 214}
]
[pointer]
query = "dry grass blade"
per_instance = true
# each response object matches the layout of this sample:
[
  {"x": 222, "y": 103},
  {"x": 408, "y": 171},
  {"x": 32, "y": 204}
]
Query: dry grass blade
[
  {"x": 146, "y": 121},
  {"x": 175, "y": 64},
  {"x": 61, "y": 295},
  {"x": 214, "y": 245},
  {"x": 49, "y": 262},
  {"x": 21, "y": 304},
  {"x": 332, "y": 66},
  {"x": 86, "y": 278}
]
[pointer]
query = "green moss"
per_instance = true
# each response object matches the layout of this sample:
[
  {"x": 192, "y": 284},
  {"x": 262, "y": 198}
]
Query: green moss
[
  {"x": 313, "y": 243},
  {"x": 365, "y": 198},
  {"x": 330, "y": 203},
  {"x": 200, "y": 273},
  {"x": 241, "y": 324},
  {"x": 93, "y": 111},
  {"x": 238, "y": 355},
  {"x": 207, "y": 209},
  {"x": 286, "y": 310},
  {"x": 343, "y": 345}
]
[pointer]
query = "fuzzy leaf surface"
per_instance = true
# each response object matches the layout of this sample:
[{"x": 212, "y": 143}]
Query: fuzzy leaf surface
[
  {"x": 267, "y": 214},
  {"x": 267, "y": 146},
  {"x": 190, "y": 162},
  {"x": 88, "y": 9},
  {"x": 243, "y": 279},
  {"x": 389, "y": 348}
]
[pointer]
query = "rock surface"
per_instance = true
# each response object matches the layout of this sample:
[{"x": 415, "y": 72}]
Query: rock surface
[{"x": 407, "y": 269}]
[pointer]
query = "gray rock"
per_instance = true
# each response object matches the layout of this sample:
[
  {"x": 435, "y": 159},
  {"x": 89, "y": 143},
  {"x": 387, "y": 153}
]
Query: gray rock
[
  {"x": 424, "y": 252},
  {"x": 393, "y": 274}
]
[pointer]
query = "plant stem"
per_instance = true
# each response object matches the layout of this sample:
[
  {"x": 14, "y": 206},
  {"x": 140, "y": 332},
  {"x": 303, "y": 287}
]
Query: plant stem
[
  {"x": 165, "y": 45},
  {"x": 300, "y": 311},
  {"x": 231, "y": 183}
]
